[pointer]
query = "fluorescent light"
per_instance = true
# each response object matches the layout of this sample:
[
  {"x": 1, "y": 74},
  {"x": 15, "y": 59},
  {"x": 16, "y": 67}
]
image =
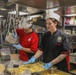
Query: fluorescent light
[
  {"x": 33, "y": 16},
  {"x": 52, "y": 10},
  {"x": 70, "y": 15},
  {"x": 20, "y": 13},
  {"x": 1, "y": 15},
  {"x": 55, "y": 9},
  {"x": 3, "y": 9}
]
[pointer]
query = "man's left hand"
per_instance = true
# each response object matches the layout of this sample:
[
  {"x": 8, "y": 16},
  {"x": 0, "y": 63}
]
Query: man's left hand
[
  {"x": 17, "y": 46},
  {"x": 47, "y": 65}
]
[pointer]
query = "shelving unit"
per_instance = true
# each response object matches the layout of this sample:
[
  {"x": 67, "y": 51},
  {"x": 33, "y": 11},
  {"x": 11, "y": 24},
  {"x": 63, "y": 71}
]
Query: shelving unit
[
  {"x": 70, "y": 20},
  {"x": 70, "y": 30},
  {"x": 69, "y": 24}
]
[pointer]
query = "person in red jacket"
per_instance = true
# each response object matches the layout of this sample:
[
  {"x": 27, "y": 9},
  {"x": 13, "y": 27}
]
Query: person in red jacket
[{"x": 28, "y": 41}]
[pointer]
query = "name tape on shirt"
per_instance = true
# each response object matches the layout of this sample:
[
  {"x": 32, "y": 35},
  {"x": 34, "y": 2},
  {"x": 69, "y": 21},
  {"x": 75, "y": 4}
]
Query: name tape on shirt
[
  {"x": 59, "y": 39},
  {"x": 29, "y": 39}
]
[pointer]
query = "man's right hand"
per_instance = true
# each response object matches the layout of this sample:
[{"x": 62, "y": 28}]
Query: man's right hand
[
  {"x": 32, "y": 60},
  {"x": 14, "y": 35}
]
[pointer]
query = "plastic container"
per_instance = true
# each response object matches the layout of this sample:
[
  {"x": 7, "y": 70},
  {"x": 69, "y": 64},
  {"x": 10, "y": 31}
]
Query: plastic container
[
  {"x": 5, "y": 53},
  {"x": 27, "y": 72}
]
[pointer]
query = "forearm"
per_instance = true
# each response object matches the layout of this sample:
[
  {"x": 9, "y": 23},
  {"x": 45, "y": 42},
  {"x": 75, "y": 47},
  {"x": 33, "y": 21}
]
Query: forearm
[
  {"x": 58, "y": 59},
  {"x": 38, "y": 54},
  {"x": 27, "y": 50}
]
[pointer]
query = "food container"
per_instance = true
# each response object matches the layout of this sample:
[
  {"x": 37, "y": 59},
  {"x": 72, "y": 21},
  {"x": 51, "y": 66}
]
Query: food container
[
  {"x": 5, "y": 53},
  {"x": 4, "y": 56},
  {"x": 27, "y": 72},
  {"x": 73, "y": 58}
]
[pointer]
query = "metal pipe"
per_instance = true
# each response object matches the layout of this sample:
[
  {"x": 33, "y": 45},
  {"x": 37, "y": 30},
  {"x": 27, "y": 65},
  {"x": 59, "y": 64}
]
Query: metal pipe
[{"x": 17, "y": 10}]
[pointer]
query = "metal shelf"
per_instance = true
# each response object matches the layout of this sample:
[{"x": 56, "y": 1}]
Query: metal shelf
[{"x": 69, "y": 25}]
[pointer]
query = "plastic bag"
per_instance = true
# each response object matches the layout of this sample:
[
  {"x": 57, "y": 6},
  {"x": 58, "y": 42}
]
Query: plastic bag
[{"x": 9, "y": 38}]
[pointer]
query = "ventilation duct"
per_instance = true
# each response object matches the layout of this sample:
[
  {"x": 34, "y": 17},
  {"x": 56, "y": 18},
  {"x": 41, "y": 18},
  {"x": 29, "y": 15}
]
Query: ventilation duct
[{"x": 45, "y": 4}]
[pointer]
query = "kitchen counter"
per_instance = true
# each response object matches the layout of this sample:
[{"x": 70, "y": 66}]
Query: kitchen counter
[
  {"x": 73, "y": 71},
  {"x": 73, "y": 58},
  {"x": 6, "y": 62},
  {"x": 14, "y": 56}
]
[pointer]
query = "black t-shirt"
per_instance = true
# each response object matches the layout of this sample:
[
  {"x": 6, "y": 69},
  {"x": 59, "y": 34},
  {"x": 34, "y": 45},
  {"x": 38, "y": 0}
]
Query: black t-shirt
[{"x": 53, "y": 45}]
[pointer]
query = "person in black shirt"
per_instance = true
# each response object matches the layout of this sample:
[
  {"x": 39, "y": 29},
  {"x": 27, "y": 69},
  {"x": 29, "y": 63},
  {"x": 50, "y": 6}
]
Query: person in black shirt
[{"x": 54, "y": 46}]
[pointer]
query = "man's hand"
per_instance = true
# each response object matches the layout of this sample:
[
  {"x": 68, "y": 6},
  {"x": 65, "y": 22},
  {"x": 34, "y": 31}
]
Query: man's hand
[
  {"x": 47, "y": 65},
  {"x": 14, "y": 35},
  {"x": 17, "y": 46},
  {"x": 32, "y": 60}
]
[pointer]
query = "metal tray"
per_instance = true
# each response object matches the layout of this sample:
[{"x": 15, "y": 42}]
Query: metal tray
[{"x": 29, "y": 68}]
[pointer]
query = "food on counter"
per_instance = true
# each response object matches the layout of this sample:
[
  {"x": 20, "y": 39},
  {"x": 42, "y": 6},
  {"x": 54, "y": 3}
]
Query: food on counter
[
  {"x": 36, "y": 67},
  {"x": 50, "y": 74},
  {"x": 2, "y": 68},
  {"x": 10, "y": 70},
  {"x": 47, "y": 74},
  {"x": 54, "y": 74}
]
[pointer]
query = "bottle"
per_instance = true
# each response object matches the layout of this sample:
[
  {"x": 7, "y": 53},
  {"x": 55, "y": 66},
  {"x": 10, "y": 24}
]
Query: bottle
[
  {"x": 15, "y": 66},
  {"x": 75, "y": 21},
  {"x": 73, "y": 31}
]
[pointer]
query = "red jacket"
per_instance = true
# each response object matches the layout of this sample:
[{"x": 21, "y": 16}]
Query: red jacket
[{"x": 28, "y": 41}]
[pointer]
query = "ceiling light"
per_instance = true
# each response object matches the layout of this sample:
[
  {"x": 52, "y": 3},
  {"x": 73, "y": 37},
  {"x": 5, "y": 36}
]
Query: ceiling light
[
  {"x": 70, "y": 15},
  {"x": 55, "y": 9},
  {"x": 20, "y": 13},
  {"x": 1, "y": 15},
  {"x": 33, "y": 16},
  {"x": 3, "y": 9}
]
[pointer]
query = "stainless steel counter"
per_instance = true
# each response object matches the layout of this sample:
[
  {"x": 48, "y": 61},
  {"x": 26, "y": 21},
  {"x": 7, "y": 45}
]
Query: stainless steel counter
[
  {"x": 73, "y": 58},
  {"x": 42, "y": 73},
  {"x": 5, "y": 63}
]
